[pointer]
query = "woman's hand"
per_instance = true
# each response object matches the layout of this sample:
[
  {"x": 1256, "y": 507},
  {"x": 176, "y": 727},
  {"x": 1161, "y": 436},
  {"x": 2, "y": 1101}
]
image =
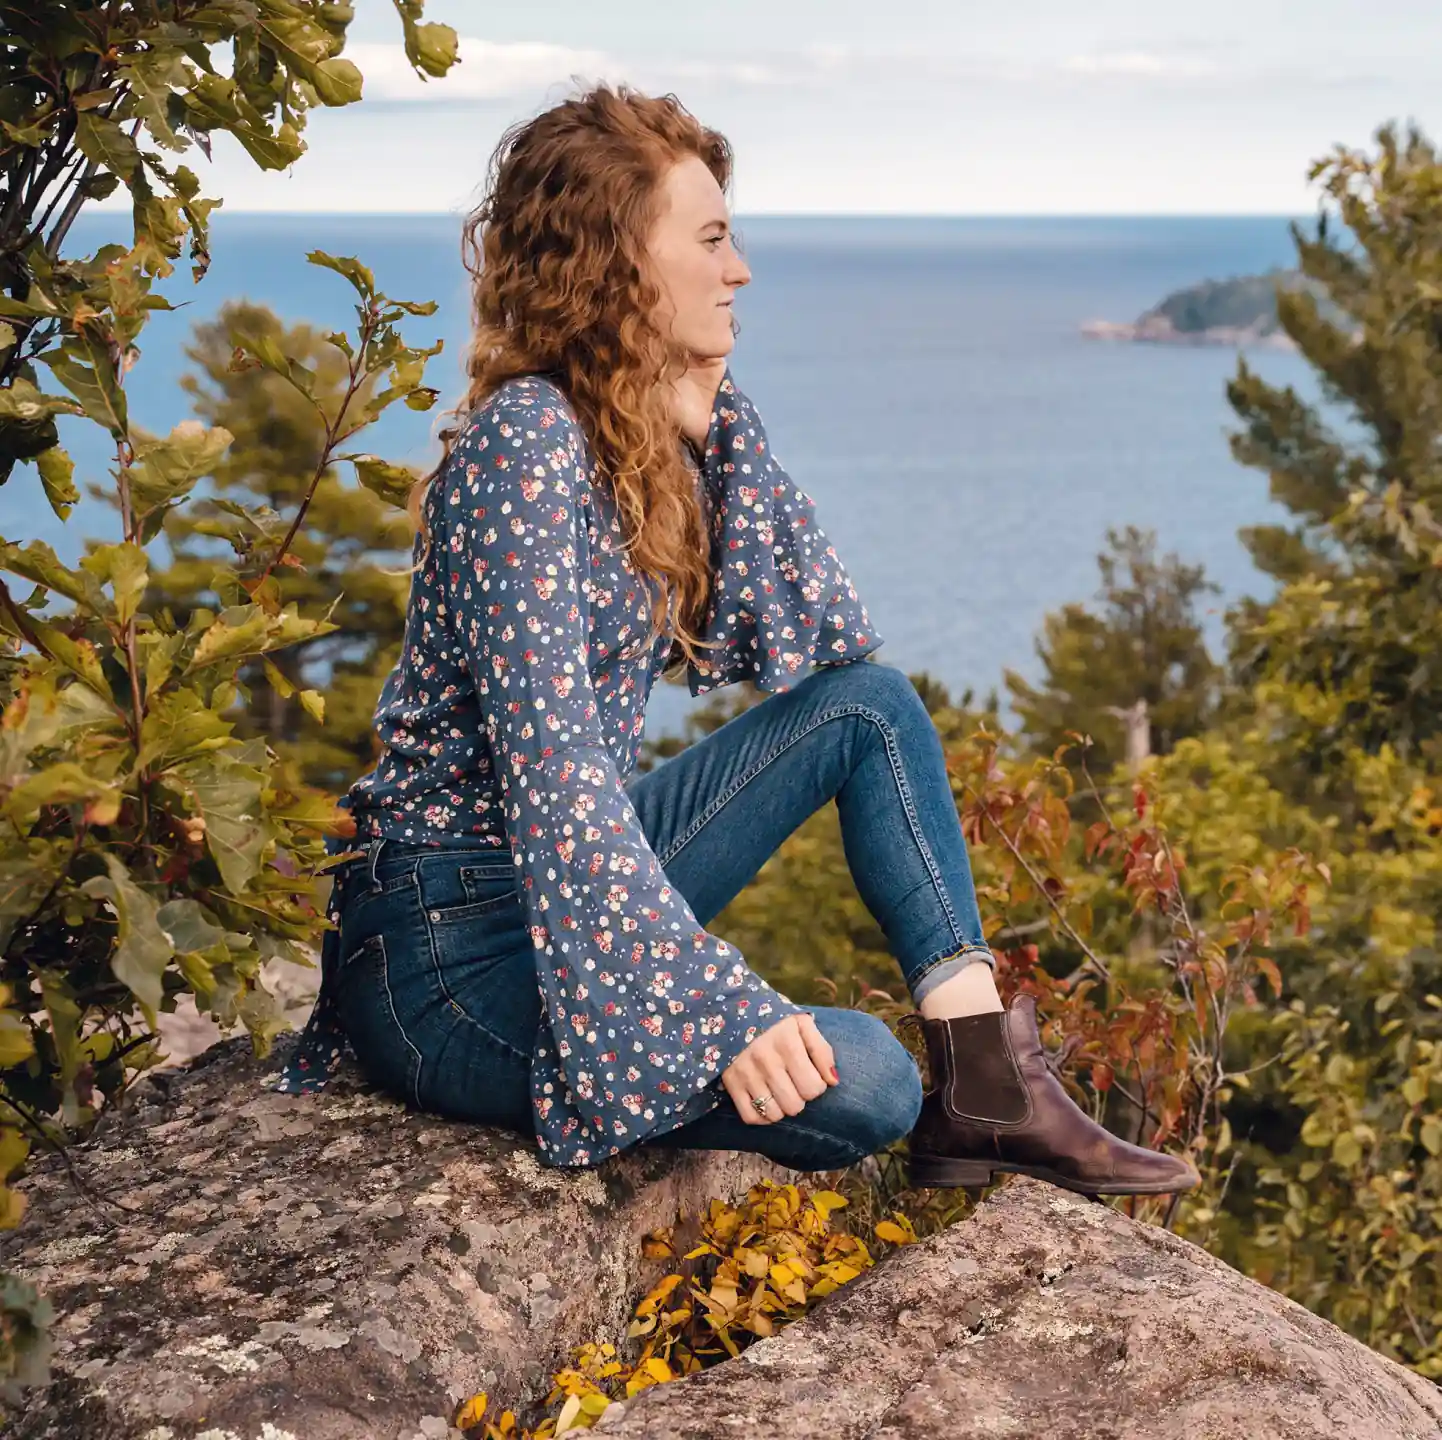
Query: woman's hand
[
  {"x": 792, "y": 1062},
  {"x": 693, "y": 398}
]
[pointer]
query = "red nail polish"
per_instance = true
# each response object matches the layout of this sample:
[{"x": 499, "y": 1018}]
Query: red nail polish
[{"x": 834, "y": 1075}]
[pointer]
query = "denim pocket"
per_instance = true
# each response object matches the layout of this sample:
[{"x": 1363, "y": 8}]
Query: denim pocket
[
  {"x": 476, "y": 922},
  {"x": 462, "y": 891},
  {"x": 368, "y": 1014}
]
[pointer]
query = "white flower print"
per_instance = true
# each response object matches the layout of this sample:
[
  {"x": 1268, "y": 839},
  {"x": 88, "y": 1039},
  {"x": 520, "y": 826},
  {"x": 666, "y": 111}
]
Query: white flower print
[{"x": 516, "y": 711}]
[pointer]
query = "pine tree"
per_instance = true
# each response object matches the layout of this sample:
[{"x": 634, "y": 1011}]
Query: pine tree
[
  {"x": 347, "y": 552},
  {"x": 1142, "y": 643},
  {"x": 1349, "y": 648}
]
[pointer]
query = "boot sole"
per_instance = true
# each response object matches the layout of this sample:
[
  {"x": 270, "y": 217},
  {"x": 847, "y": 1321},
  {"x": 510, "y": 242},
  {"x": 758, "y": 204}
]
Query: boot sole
[{"x": 936, "y": 1172}]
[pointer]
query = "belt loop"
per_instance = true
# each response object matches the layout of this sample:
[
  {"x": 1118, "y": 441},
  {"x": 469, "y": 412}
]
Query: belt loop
[{"x": 375, "y": 856}]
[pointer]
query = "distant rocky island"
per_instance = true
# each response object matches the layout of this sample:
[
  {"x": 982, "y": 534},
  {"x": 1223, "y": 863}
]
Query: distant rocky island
[{"x": 1238, "y": 311}]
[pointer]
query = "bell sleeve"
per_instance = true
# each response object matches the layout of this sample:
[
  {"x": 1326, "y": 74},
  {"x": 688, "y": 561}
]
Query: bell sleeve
[
  {"x": 642, "y": 1007},
  {"x": 782, "y": 600}
]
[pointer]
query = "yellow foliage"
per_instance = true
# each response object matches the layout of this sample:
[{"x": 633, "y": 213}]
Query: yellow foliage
[
  {"x": 759, "y": 1265},
  {"x": 472, "y": 1412},
  {"x": 898, "y": 1230}
]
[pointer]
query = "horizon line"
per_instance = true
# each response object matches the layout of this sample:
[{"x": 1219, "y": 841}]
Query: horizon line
[{"x": 221, "y": 212}]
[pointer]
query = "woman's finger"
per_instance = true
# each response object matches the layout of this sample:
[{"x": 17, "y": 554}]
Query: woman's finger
[
  {"x": 800, "y": 1067},
  {"x": 778, "y": 1084},
  {"x": 752, "y": 1080},
  {"x": 736, "y": 1088},
  {"x": 818, "y": 1047}
]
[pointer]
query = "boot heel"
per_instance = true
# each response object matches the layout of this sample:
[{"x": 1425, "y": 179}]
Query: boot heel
[{"x": 938, "y": 1172}]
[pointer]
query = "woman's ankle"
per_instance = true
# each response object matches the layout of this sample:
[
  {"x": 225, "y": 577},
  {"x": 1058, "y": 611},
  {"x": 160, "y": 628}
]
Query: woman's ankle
[{"x": 971, "y": 991}]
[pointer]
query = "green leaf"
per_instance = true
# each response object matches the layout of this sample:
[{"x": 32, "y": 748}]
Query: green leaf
[
  {"x": 432, "y": 47},
  {"x": 227, "y": 796},
  {"x": 38, "y": 562},
  {"x": 1346, "y": 1150},
  {"x": 167, "y": 469},
  {"x": 30, "y": 135},
  {"x": 337, "y": 82},
  {"x": 21, "y": 400},
  {"x": 359, "y": 275},
  {"x": 277, "y": 678},
  {"x": 190, "y": 926},
  {"x": 27, "y": 872},
  {"x": 80, "y": 657},
  {"x": 57, "y": 472},
  {"x": 1432, "y": 1135},
  {"x": 65, "y": 1022},
  {"x": 63, "y": 783},
  {"x": 266, "y": 348},
  {"x": 313, "y": 703},
  {"x": 143, "y": 948},
  {"x": 104, "y": 142},
  {"x": 237, "y": 630},
  {"x": 159, "y": 653},
  {"x": 152, "y": 75},
  {"x": 95, "y": 387},
  {"x": 391, "y": 482},
  {"x": 263, "y": 1017},
  {"x": 276, "y": 151},
  {"x": 99, "y": 186},
  {"x": 16, "y": 1046},
  {"x": 179, "y": 726},
  {"x": 126, "y": 569},
  {"x": 14, "y": 1147}
]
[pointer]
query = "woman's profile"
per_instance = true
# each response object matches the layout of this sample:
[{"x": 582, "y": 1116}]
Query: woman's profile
[{"x": 521, "y": 938}]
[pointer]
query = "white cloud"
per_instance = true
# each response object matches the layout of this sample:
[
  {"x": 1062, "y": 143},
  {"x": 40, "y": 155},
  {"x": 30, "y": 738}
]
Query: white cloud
[
  {"x": 1136, "y": 63},
  {"x": 490, "y": 70},
  {"x": 487, "y": 70}
]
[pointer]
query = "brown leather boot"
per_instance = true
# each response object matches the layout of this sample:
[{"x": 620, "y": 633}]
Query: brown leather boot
[{"x": 995, "y": 1105}]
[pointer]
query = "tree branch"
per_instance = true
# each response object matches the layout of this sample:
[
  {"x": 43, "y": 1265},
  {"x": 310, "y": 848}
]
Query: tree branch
[
  {"x": 1097, "y": 963},
  {"x": 22, "y": 622}
]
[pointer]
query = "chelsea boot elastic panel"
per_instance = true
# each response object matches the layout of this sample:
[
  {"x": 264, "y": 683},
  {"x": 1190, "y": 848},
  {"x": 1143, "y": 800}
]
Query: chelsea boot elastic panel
[{"x": 995, "y": 1105}]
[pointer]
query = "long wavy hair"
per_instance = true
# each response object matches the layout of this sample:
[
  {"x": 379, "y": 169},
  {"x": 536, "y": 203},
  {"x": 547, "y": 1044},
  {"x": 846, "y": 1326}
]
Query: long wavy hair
[{"x": 560, "y": 285}]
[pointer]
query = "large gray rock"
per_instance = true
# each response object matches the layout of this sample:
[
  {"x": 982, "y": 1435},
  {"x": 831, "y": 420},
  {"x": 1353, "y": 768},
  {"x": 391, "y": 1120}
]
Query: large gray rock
[
  {"x": 1044, "y": 1314},
  {"x": 331, "y": 1267}
]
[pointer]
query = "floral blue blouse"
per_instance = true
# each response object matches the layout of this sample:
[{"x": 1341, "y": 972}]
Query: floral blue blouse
[{"x": 517, "y": 710}]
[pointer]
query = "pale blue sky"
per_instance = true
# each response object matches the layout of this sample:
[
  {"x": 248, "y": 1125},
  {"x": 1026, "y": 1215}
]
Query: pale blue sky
[{"x": 910, "y": 106}]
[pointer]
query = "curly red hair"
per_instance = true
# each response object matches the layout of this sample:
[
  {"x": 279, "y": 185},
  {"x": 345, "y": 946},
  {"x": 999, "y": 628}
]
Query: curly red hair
[{"x": 557, "y": 252}]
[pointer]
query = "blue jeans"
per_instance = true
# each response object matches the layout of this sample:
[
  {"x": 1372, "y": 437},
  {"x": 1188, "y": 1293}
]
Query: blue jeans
[{"x": 445, "y": 1013}]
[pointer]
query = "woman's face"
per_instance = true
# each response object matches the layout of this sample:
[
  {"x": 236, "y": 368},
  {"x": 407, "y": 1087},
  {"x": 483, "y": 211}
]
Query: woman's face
[{"x": 695, "y": 262}]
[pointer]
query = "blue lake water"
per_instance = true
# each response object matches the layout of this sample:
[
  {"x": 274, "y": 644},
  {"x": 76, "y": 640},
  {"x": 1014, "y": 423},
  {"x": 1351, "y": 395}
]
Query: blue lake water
[{"x": 924, "y": 379}]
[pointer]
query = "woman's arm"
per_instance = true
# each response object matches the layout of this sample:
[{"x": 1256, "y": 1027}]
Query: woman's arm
[
  {"x": 645, "y": 1008},
  {"x": 782, "y": 599}
]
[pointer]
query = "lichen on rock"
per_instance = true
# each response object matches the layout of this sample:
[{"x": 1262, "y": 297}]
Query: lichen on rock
[
  {"x": 327, "y": 1267},
  {"x": 1046, "y": 1314}
]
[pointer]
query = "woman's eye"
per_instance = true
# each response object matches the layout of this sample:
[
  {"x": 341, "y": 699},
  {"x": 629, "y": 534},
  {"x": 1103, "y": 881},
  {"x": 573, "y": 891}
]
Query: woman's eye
[{"x": 715, "y": 239}]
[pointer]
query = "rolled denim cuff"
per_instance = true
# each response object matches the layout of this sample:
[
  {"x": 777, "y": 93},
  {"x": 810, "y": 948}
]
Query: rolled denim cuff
[{"x": 951, "y": 965}]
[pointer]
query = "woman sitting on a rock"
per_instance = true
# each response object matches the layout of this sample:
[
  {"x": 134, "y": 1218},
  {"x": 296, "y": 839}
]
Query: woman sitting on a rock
[{"x": 521, "y": 941}]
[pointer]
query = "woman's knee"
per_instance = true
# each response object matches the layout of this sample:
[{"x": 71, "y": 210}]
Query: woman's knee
[
  {"x": 879, "y": 1095},
  {"x": 882, "y": 689}
]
